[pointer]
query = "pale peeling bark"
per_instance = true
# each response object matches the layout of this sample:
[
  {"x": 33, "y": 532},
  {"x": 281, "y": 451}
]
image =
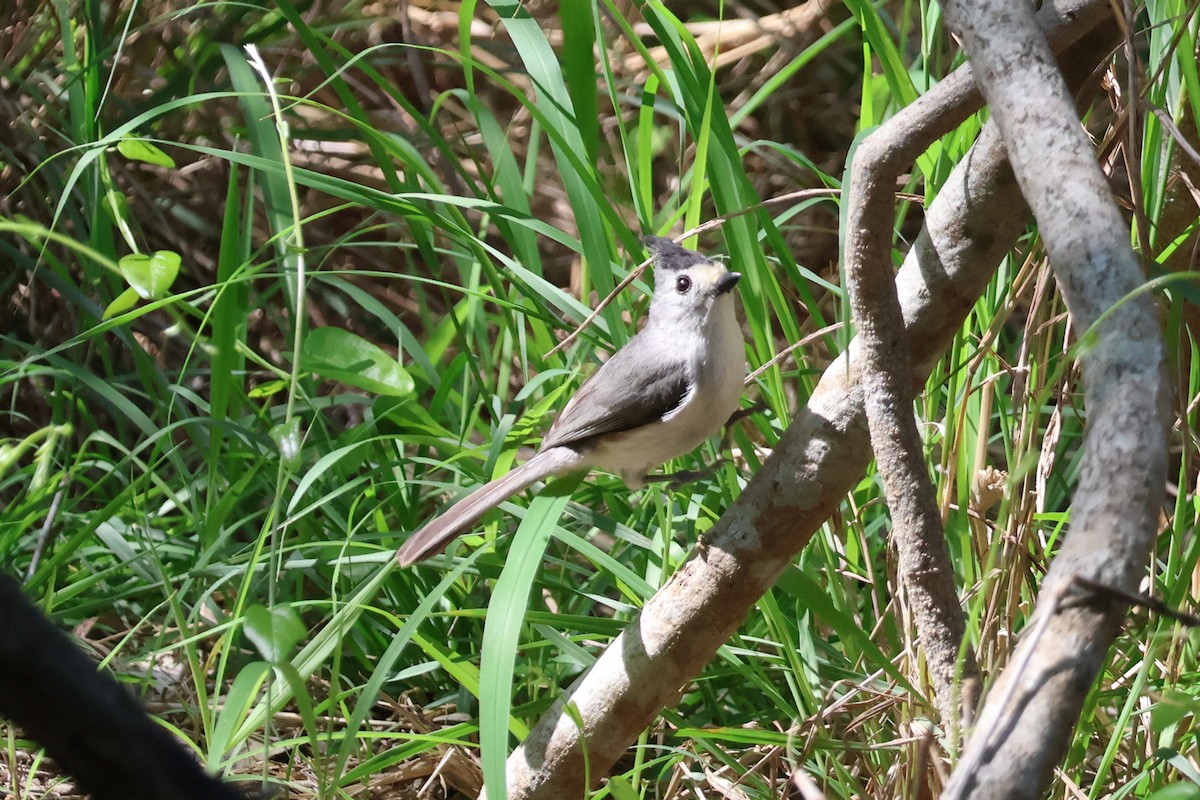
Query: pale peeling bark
[{"x": 1030, "y": 714}]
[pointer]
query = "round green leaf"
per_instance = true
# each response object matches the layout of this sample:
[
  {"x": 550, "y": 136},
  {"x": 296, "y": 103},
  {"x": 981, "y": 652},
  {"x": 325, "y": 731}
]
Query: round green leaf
[
  {"x": 141, "y": 150},
  {"x": 340, "y": 355},
  {"x": 273, "y": 631},
  {"x": 286, "y": 436},
  {"x": 151, "y": 276}
]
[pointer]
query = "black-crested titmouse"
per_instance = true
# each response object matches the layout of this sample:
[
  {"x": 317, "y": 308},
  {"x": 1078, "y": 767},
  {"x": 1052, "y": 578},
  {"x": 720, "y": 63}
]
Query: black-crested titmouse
[{"x": 666, "y": 391}]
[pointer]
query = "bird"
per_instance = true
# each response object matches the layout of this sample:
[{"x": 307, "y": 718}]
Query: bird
[{"x": 671, "y": 387}]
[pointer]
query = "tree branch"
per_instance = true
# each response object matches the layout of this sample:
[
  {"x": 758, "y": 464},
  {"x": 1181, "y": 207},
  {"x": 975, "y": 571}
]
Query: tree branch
[
  {"x": 925, "y": 567},
  {"x": 925, "y": 570},
  {"x": 968, "y": 229},
  {"x": 1027, "y": 722}
]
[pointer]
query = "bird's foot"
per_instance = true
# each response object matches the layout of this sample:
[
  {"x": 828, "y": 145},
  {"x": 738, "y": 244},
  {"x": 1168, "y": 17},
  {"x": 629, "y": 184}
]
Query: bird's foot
[{"x": 675, "y": 480}]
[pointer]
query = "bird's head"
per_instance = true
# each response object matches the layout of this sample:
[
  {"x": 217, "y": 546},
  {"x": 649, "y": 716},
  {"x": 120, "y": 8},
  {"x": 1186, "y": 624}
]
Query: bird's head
[{"x": 686, "y": 283}]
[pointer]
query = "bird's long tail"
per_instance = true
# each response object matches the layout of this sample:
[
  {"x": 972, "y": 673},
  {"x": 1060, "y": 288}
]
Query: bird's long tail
[{"x": 462, "y": 516}]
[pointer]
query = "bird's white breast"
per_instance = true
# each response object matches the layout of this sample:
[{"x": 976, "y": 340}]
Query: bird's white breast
[{"x": 718, "y": 368}]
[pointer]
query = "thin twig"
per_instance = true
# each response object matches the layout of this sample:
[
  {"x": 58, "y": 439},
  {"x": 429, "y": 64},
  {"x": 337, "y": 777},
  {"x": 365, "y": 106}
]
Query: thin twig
[
  {"x": 715, "y": 222},
  {"x": 43, "y": 539},
  {"x": 1138, "y": 599},
  {"x": 1176, "y": 134},
  {"x": 785, "y": 352}
]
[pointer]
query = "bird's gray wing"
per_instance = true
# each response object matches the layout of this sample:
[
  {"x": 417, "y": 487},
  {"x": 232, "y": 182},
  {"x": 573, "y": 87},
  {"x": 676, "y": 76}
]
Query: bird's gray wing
[{"x": 640, "y": 384}]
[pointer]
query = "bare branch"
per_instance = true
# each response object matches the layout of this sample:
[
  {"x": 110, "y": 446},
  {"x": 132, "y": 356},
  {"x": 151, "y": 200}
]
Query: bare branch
[
  {"x": 1027, "y": 722},
  {"x": 925, "y": 569},
  {"x": 969, "y": 228},
  {"x": 1139, "y": 599}
]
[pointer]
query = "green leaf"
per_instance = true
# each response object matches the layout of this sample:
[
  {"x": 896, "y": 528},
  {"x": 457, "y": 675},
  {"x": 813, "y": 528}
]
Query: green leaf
[
  {"x": 274, "y": 631},
  {"x": 577, "y": 21},
  {"x": 238, "y": 701},
  {"x": 1177, "y": 791},
  {"x": 1172, "y": 707},
  {"x": 117, "y": 206},
  {"x": 343, "y": 356},
  {"x": 267, "y": 389},
  {"x": 286, "y": 436},
  {"x": 300, "y": 696},
  {"x": 141, "y": 150},
  {"x": 265, "y": 144},
  {"x": 621, "y": 789},
  {"x": 150, "y": 276},
  {"x": 501, "y": 634},
  {"x": 125, "y": 301},
  {"x": 814, "y": 597}
]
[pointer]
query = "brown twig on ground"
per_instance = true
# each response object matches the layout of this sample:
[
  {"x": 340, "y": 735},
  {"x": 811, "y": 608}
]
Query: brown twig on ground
[
  {"x": 1027, "y": 721},
  {"x": 728, "y": 41}
]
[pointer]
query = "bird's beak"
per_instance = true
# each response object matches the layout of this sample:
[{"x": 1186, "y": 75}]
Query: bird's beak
[{"x": 728, "y": 281}]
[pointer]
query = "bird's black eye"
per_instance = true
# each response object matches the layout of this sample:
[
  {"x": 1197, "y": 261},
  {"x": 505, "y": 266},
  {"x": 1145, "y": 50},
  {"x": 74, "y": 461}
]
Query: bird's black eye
[{"x": 682, "y": 284}]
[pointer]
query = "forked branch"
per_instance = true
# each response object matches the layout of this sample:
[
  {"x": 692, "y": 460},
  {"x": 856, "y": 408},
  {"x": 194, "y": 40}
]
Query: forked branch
[{"x": 1029, "y": 716}]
